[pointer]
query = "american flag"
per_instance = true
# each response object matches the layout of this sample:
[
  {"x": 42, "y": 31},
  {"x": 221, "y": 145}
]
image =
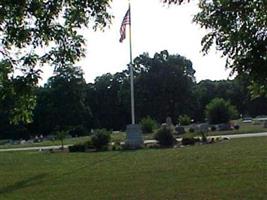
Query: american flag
[{"x": 126, "y": 20}]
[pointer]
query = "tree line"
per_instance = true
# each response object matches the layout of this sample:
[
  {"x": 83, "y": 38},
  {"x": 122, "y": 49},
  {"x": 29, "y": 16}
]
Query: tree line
[
  {"x": 165, "y": 86},
  {"x": 236, "y": 28}
]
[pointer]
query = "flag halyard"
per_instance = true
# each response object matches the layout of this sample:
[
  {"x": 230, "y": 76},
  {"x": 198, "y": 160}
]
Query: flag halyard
[{"x": 126, "y": 21}]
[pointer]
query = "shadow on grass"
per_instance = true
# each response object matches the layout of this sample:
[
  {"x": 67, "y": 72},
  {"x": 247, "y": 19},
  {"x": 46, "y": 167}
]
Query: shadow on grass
[
  {"x": 93, "y": 165},
  {"x": 28, "y": 182}
]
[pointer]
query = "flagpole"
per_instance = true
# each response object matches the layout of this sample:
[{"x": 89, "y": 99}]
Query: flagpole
[{"x": 131, "y": 68}]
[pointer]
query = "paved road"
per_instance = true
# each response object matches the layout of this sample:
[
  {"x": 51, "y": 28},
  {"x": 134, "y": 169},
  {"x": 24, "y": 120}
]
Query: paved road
[
  {"x": 246, "y": 135},
  {"x": 33, "y": 148},
  {"x": 146, "y": 141}
]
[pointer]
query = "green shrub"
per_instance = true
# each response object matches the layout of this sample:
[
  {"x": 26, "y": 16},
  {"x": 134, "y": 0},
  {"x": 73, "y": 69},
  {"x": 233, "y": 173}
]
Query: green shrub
[
  {"x": 61, "y": 135},
  {"x": 165, "y": 137},
  {"x": 188, "y": 141},
  {"x": 213, "y": 128},
  {"x": 100, "y": 139},
  {"x": 81, "y": 147},
  {"x": 220, "y": 111},
  {"x": 179, "y": 130},
  {"x": 148, "y": 125},
  {"x": 77, "y": 148},
  {"x": 191, "y": 130},
  {"x": 236, "y": 127},
  {"x": 89, "y": 144},
  {"x": 184, "y": 120}
]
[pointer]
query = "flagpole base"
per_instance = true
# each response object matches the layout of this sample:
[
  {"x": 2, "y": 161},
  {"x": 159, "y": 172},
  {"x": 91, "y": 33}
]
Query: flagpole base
[{"x": 134, "y": 138}]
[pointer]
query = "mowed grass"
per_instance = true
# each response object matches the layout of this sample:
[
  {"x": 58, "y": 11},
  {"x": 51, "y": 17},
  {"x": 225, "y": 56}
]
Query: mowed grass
[
  {"x": 244, "y": 128},
  {"x": 47, "y": 143},
  {"x": 235, "y": 169},
  {"x": 121, "y": 136}
]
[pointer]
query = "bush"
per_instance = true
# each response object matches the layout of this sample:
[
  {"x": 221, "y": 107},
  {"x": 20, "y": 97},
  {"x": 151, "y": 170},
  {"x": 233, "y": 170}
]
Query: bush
[
  {"x": 100, "y": 139},
  {"x": 77, "y": 148},
  {"x": 148, "y": 125},
  {"x": 236, "y": 127},
  {"x": 184, "y": 120},
  {"x": 188, "y": 141},
  {"x": 179, "y": 130},
  {"x": 213, "y": 128},
  {"x": 81, "y": 147},
  {"x": 220, "y": 111},
  {"x": 191, "y": 130},
  {"x": 61, "y": 135},
  {"x": 165, "y": 137}
]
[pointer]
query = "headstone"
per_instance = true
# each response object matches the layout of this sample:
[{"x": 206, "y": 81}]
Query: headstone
[
  {"x": 203, "y": 127},
  {"x": 163, "y": 125},
  {"x": 224, "y": 127},
  {"x": 134, "y": 138},
  {"x": 170, "y": 125},
  {"x": 169, "y": 122},
  {"x": 179, "y": 130}
]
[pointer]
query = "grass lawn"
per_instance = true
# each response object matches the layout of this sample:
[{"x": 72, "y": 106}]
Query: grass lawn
[
  {"x": 235, "y": 169},
  {"x": 244, "y": 128},
  {"x": 121, "y": 136},
  {"x": 46, "y": 143}
]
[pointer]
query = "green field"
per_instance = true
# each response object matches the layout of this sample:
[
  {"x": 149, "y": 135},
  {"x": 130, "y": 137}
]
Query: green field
[
  {"x": 235, "y": 169},
  {"x": 244, "y": 128},
  {"x": 121, "y": 136},
  {"x": 46, "y": 143}
]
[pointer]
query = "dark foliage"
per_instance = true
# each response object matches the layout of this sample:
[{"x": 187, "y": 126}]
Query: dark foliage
[
  {"x": 236, "y": 127},
  {"x": 220, "y": 111},
  {"x": 148, "y": 125},
  {"x": 238, "y": 29},
  {"x": 100, "y": 139},
  {"x": 213, "y": 128},
  {"x": 165, "y": 138},
  {"x": 77, "y": 148},
  {"x": 188, "y": 141}
]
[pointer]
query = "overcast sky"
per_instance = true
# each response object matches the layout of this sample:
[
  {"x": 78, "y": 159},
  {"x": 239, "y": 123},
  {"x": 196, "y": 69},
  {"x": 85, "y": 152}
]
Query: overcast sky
[{"x": 155, "y": 27}]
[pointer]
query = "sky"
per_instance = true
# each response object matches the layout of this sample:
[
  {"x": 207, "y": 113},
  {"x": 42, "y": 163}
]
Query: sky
[{"x": 155, "y": 27}]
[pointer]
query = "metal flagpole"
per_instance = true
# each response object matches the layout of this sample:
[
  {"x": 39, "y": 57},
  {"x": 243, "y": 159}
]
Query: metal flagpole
[{"x": 131, "y": 67}]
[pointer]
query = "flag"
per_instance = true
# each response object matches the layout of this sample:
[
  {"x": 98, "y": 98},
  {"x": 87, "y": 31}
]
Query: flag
[{"x": 126, "y": 20}]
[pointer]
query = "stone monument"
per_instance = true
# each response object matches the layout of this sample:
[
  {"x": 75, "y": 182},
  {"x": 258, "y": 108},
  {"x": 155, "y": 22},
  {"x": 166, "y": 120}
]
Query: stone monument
[
  {"x": 134, "y": 138},
  {"x": 169, "y": 124}
]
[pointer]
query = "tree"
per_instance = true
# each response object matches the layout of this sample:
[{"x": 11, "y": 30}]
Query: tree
[
  {"x": 234, "y": 91},
  {"x": 220, "y": 111},
  {"x": 61, "y": 135},
  {"x": 61, "y": 104},
  {"x": 30, "y": 25},
  {"x": 163, "y": 86},
  {"x": 238, "y": 29},
  {"x": 16, "y": 93},
  {"x": 108, "y": 98}
]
